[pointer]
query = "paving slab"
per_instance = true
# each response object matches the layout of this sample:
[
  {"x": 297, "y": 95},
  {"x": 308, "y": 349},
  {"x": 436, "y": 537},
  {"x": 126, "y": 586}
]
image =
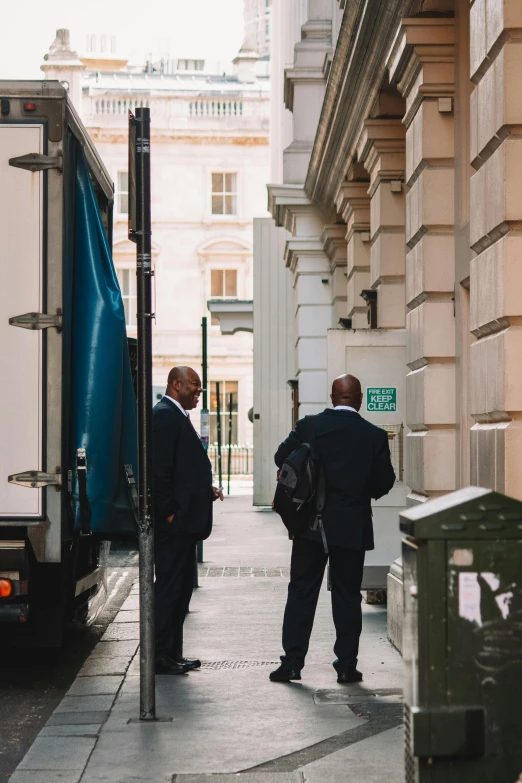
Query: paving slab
[
  {"x": 243, "y": 535},
  {"x": 77, "y": 718},
  {"x": 379, "y": 758},
  {"x": 96, "y": 666},
  {"x": 79, "y": 730},
  {"x": 112, "y": 649},
  {"x": 85, "y": 704},
  {"x": 120, "y": 632},
  {"x": 95, "y": 686},
  {"x": 245, "y": 777},
  {"x": 356, "y": 694},
  {"x": 49, "y": 776},
  {"x": 129, "y": 778},
  {"x": 131, "y": 603},
  {"x": 58, "y": 753},
  {"x": 127, "y": 616}
]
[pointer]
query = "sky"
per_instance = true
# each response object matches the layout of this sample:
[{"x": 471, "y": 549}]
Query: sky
[{"x": 211, "y": 29}]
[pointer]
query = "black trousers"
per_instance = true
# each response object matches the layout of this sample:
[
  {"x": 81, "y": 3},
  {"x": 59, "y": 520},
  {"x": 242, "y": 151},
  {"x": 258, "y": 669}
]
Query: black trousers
[
  {"x": 306, "y": 576},
  {"x": 175, "y": 559}
]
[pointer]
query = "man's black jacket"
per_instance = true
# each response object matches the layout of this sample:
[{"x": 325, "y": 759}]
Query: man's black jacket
[
  {"x": 182, "y": 473},
  {"x": 357, "y": 465}
]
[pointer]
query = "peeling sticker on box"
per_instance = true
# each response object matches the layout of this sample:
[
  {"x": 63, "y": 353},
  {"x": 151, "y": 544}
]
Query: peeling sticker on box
[
  {"x": 470, "y": 595},
  {"x": 462, "y": 557}
]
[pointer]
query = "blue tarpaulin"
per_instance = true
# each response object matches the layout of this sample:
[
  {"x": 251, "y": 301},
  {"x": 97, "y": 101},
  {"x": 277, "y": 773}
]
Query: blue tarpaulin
[{"x": 103, "y": 407}]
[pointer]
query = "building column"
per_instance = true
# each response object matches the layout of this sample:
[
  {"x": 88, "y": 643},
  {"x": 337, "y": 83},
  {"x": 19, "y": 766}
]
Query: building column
[
  {"x": 304, "y": 88},
  {"x": 427, "y": 84},
  {"x": 382, "y": 152},
  {"x": 334, "y": 245},
  {"x": 353, "y": 204},
  {"x": 310, "y": 266},
  {"x": 495, "y": 235}
]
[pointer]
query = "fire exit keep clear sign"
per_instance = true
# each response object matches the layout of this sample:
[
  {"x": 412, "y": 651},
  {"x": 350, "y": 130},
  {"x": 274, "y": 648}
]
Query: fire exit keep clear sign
[{"x": 381, "y": 400}]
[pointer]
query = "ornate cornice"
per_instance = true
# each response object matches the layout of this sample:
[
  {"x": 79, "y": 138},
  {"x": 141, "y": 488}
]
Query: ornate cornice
[
  {"x": 353, "y": 203},
  {"x": 334, "y": 244},
  {"x": 284, "y": 198},
  {"x": 304, "y": 247},
  {"x": 382, "y": 150},
  {"x": 424, "y": 65},
  {"x": 368, "y": 33}
]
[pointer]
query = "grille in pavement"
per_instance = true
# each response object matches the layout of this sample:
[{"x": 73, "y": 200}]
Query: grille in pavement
[
  {"x": 237, "y": 664},
  {"x": 243, "y": 571}
]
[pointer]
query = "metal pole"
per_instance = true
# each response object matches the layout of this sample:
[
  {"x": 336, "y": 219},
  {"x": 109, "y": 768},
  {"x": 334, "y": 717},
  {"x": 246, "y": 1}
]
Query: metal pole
[
  {"x": 140, "y": 232},
  {"x": 205, "y": 424},
  {"x": 218, "y": 412},
  {"x": 205, "y": 417},
  {"x": 230, "y": 403}
]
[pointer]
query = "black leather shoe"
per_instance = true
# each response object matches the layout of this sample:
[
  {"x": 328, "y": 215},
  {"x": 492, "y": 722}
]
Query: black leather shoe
[
  {"x": 285, "y": 674},
  {"x": 345, "y": 678},
  {"x": 190, "y": 663},
  {"x": 165, "y": 665}
]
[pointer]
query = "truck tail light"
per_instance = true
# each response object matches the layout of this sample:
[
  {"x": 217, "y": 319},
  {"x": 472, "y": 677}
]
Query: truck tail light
[{"x": 6, "y": 588}]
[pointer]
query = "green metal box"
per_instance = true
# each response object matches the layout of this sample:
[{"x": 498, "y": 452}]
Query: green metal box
[{"x": 462, "y": 641}]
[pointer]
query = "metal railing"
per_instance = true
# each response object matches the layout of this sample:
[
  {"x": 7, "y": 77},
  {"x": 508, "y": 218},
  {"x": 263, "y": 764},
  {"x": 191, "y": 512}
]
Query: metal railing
[{"x": 242, "y": 459}]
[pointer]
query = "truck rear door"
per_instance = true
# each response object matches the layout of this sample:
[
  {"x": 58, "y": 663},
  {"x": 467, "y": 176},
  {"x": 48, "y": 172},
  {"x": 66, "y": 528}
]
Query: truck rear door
[{"x": 22, "y": 411}]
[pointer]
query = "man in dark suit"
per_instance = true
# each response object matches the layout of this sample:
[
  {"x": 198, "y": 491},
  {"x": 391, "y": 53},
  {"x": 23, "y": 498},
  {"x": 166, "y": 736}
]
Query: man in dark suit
[
  {"x": 357, "y": 466},
  {"x": 183, "y": 497}
]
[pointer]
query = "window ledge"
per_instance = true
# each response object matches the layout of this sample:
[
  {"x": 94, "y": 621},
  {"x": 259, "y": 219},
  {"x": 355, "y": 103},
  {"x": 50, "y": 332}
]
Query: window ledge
[{"x": 235, "y": 315}]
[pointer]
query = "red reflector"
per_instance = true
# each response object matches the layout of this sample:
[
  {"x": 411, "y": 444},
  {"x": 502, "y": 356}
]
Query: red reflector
[
  {"x": 6, "y": 588},
  {"x": 30, "y": 106}
]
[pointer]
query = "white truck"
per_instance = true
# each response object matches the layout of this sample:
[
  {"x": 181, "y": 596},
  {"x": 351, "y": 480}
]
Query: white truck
[{"x": 66, "y": 474}]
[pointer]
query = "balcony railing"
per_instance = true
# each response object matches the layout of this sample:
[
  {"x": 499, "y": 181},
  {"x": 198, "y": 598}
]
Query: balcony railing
[
  {"x": 179, "y": 112},
  {"x": 122, "y": 106},
  {"x": 215, "y": 108}
]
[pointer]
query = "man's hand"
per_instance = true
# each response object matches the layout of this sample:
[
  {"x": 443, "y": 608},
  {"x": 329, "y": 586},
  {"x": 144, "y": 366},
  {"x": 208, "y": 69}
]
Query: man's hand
[
  {"x": 170, "y": 519},
  {"x": 217, "y": 492}
]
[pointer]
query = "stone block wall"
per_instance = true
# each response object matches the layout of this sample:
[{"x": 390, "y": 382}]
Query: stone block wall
[
  {"x": 496, "y": 221},
  {"x": 427, "y": 86}
]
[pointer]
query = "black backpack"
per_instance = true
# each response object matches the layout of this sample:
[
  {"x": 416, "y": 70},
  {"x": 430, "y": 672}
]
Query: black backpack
[{"x": 300, "y": 493}]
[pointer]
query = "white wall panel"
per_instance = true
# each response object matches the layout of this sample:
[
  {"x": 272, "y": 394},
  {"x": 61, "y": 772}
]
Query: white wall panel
[
  {"x": 21, "y": 207},
  {"x": 273, "y": 353}
]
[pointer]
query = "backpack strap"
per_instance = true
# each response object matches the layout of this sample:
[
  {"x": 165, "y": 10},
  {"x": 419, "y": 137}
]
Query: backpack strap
[
  {"x": 309, "y": 430},
  {"x": 320, "y": 491}
]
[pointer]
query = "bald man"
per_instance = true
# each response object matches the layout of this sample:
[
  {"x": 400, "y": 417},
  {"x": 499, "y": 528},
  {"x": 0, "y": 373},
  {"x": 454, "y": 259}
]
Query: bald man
[
  {"x": 357, "y": 466},
  {"x": 183, "y": 497}
]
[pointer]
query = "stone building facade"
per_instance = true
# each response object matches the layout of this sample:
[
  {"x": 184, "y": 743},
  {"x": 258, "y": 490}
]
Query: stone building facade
[
  {"x": 257, "y": 26},
  {"x": 209, "y": 166},
  {"x": 397, "y": 131}
]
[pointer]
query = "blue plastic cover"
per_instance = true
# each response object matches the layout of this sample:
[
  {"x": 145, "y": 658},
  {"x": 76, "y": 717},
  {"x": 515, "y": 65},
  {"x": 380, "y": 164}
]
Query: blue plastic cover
[{"x": 104, "y": 416}]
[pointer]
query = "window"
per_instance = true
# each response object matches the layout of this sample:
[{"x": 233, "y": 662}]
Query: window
[
  {"x": 122, "y": 193},
  {"x": 127, "y": 281},
  {"x": 223, "y": 283},
  {"x": 226, "y": 388},
  {"x": 191, "y": 65},
  {"x": 224, "y": 194}
]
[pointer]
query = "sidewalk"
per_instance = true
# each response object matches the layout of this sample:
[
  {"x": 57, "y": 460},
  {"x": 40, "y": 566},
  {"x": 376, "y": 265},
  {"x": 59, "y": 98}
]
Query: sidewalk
[{"x": 228, "y": 718}]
